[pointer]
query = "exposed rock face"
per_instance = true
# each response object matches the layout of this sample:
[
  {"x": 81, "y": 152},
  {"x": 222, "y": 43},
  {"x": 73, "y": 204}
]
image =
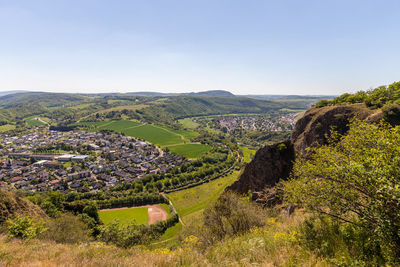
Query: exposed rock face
[
  {"x": 317, "y": 123},
  {"x": 270, "y": 164},
  {"x": 268, "y": 197},
  {"x": 12, "y": 205}
]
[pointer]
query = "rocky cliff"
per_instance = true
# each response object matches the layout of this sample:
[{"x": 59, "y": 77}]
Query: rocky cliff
[
  {"x": 316, "y": 124},
  {"x": 270, "y": 164},
  {"x": 274, "y": 163}
]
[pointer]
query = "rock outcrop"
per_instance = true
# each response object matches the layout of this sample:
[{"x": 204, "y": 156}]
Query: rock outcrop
[
  {"x": 270, "y": 164},
  {"x": 13, "y": 205},
  {"x": 317, "y": 123},
  {"x": 274, "y": 163}
]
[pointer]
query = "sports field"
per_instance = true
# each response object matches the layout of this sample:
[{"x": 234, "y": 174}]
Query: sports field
[{"x": 125, "y": 215}]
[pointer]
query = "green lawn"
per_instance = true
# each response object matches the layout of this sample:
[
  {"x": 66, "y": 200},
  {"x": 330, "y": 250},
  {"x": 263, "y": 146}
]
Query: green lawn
[
  {"x": 6, "y": 127},
  {"x": 140, "y": 215},
  {"x": 190, "y": 150},
  {"x": 192, "y": 201}
]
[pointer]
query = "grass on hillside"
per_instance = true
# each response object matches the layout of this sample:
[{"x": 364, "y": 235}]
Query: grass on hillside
[
  {"x": 119, "y": 126},
  {"x": 6, "y": 127},
  {"x": 189, "y": 123},
  {"x": 155, "y": 135},
  {"x": 247, "y": 153},
  {"x": 33, "y": 122},
  {"x": 140, "y": 215},
  {"x": 277, "y": 244},
  {"x": 190, "y": 151},
  {"x": 191, "y": 202}
]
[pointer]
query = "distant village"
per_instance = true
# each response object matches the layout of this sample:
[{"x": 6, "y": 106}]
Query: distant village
[
  {"x": 258, "y": 123},
  {"x": 78, "y": 161}
]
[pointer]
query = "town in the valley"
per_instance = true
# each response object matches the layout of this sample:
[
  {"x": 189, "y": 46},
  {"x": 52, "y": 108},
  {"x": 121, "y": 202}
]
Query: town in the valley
[{"x": 78, "y": 160}]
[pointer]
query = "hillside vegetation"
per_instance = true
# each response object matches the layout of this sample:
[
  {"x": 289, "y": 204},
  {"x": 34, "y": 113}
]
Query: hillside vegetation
[
  {"x": 68, "y": 108},
  {"x": 333, "y": 198},
  {"x": 374, "y": 98}
]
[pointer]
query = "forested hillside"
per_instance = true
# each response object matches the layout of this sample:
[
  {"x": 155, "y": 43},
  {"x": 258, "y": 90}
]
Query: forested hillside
[{"x": 69, "y": 108}]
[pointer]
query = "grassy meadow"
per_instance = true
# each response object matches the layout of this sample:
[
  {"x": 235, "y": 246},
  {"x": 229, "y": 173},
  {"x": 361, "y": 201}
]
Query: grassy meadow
[
  {"x": 190, "y": 203},
  {"x": 140, "y": 215},
  {"x": 189, "y": 123},
  {"x": 247, "y": 153}
]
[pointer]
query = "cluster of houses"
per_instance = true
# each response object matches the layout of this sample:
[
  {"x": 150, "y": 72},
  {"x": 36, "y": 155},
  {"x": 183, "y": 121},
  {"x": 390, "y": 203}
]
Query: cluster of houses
[
  {"x": 259, "y": 123},
  {"x": 95, "y": 160}
]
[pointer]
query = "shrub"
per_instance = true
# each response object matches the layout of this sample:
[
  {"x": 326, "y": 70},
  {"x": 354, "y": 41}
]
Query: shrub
[
  {"x": 66, "y": 228},
  {"x": 132, "y": 234},
  {"x": 391, "y": 113},
  {"x": 339, "y": 241},
  {"x": 24, "y": 228},
  {"x": 230, "y": 215},
  {"x": 123, "y": 235},
  {"x": 355, "y": 181}
]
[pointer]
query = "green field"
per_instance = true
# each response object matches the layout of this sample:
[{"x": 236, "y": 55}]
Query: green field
[
  {"x": 189, "y": 123},
  {"x": 33, "y": 121},
  {"x": 190, "y": 203},
  {"x": 119, "y": 126},
  {"x": 140, "y": 215},
  {"x": 178, "y": 141},
  {"x": 155, "y": 135},
  {"x": 190, "y": 150},
  {"x": 6, "y": 127}
]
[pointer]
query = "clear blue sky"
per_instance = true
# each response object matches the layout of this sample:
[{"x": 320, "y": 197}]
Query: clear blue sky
[{"x": 246, "y": 47}]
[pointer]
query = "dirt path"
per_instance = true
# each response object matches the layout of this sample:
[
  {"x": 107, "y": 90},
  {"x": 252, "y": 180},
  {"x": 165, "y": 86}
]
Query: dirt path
[
  {"x": 172, "y": 205},
  {"x": 155, "y": 212}
]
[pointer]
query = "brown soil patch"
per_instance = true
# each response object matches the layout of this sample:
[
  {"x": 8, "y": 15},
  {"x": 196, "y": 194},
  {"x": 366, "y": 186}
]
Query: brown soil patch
[{"x": 155, "y": 212}]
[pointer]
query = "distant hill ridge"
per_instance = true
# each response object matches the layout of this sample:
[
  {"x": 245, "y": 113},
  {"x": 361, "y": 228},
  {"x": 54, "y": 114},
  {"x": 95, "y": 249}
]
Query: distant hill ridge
[{"x": 220, "y": 93}]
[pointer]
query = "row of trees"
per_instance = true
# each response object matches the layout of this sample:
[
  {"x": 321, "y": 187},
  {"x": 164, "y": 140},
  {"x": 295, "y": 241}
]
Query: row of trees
[{"x": 375, "y": 98}]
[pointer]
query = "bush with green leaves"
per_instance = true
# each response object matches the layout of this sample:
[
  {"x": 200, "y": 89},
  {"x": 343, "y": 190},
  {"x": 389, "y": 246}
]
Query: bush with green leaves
[
  {"x": 356, "y": 181},
  {"x": 123, "y": 235},
  {"x": 230, "y": 215},
  {"x": 66, "y": 228},
  {"x": 130, "y": 234},
  {"x": 24, "y": 228}
]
